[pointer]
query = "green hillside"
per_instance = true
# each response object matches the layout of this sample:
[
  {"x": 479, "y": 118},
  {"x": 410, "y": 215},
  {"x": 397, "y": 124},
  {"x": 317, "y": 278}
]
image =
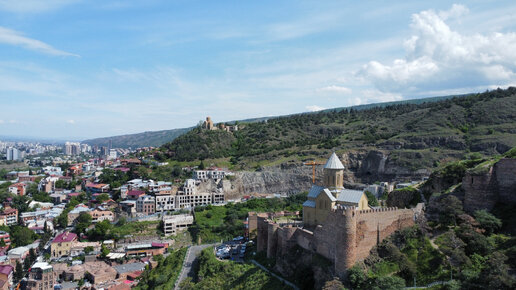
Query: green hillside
[
  {"x": 145, "y": 139},
  {"x": 426, "y": 132},
  {"x": 158, "y": 138}
]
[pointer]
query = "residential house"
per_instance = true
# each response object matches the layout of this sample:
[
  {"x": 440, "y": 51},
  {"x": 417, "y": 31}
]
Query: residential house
[
  {"x": 98, "y": 215},
  {"x": 6, "y": 276},
  {"x": 62, "y": 244}
]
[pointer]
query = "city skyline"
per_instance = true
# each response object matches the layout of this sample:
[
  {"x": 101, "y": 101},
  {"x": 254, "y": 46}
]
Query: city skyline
[{"x": 75, "y": 69}]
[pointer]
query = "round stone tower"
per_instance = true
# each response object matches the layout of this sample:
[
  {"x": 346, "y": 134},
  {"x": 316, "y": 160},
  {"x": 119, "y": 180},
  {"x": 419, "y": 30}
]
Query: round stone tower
[{"x": 334, "y": 175}]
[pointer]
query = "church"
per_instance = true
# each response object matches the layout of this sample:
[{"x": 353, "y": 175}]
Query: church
[{"x": 322, "y": 199}]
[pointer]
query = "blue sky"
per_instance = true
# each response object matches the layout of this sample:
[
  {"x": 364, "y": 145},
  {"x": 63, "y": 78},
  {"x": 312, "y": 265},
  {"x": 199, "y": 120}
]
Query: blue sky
[{"x": 79, "y": 69}]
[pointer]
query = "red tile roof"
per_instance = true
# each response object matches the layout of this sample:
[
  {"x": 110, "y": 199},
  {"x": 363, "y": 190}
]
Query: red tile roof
[
  {"x": 65, "y": 237},
  {"x": 6, "y": 269},
  {"x": 136, "y": 192}
]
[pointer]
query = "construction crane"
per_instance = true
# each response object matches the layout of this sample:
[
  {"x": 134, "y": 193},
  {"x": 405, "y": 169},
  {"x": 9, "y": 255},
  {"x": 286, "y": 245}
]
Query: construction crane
[{"x": 313, "y": 164}]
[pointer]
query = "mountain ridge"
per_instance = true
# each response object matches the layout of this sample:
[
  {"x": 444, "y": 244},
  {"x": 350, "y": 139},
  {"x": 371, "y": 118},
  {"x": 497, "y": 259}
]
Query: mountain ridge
[{"x": 161, "y": 137}]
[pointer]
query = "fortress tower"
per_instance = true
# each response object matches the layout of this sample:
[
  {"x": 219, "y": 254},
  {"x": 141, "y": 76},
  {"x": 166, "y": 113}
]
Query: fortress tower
[{"x": 334, "y": 175}]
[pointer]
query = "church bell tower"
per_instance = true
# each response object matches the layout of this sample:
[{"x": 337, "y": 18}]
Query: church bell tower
[{"x": 334, "y": 175}]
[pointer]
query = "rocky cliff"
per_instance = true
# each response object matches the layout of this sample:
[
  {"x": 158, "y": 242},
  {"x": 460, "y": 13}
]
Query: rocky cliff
[
  {"x": 484, "y": 188},
  {"x": 294, "y": 177}
]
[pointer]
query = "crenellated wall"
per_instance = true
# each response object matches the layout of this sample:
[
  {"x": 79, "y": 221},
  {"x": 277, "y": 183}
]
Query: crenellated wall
[{"x": 347, "y": 236}]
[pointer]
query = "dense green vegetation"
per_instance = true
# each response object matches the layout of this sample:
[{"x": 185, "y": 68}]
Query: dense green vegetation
[
  {"x": 478, "y": 249},
  {"x": 428, "y": 132},
  {"x": 165, "y": 274},
  {"x": 104, "y": 230},
  {"x": 215, "y": 274},
  {"x": 215, "y": 223}
]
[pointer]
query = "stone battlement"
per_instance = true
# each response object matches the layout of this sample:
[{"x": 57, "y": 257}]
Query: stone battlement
[{"x": 375, "y": 210}]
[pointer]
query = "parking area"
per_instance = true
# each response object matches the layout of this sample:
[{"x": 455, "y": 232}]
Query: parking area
[{"x": 232, "y": 250}]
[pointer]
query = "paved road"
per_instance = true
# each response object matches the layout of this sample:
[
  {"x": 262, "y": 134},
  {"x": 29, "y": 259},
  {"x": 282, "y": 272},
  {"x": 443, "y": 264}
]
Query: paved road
[{"x": 189, "y": 261}]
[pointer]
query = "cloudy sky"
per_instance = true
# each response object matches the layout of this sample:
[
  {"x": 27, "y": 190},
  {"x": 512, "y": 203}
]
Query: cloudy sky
[{"x": 79, "y": 69}]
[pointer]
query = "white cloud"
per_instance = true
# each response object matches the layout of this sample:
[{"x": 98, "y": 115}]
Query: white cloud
[
  {"x": 16, "y": 38},
  {"x": 70, "y": 122},
  {"x": 438, "y": 57},
  {"x": 2, "y": 122},
  {"x": 336, "y": 89},
  {"x": 33, "y": 6},
  {"x": 314, "y": 108}
]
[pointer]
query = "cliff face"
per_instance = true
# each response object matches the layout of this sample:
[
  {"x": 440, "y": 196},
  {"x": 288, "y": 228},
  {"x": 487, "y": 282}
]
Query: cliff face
[
  {"x": 496, "y": 184},
  {"x": 289, "y": 178}
]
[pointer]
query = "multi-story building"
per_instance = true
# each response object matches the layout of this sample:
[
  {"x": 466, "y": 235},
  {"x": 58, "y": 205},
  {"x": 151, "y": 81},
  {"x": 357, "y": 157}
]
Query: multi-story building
[
  {"x": 146, "y": 204},
  {"x": 12, "y": 154},
  {"x": 18, "y": 188},
  {"x": 10, "y": 215},
  {"x": 165, "y": 202},
  {"x": 62, "y": 244},
  {"x": 175, "y": 223},
  {"x": 41, "y": 277}
]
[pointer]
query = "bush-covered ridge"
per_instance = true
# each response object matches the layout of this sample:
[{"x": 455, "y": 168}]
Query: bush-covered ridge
[{"x": 478, "y": 122}]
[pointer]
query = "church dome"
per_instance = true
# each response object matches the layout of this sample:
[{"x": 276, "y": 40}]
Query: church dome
[{"x": 333, "y": 162}]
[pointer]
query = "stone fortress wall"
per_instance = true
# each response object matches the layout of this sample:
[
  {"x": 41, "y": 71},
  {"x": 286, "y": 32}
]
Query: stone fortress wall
[{"x": 347, "y": 236}]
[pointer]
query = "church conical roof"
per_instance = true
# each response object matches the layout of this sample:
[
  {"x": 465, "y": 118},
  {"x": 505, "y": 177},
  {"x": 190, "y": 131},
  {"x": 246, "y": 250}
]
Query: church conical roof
[{"x": 333, "y": 162}]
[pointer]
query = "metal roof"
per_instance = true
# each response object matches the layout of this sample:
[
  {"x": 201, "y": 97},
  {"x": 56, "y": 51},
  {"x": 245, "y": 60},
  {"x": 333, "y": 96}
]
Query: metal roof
[
  {"x": 309, "y": 203},
  {"x": 350, "y": 195},
  {"x": 333, "y": 162},
  {"x": 329, "y": 194},
  {"x": 314, "y": 191}
]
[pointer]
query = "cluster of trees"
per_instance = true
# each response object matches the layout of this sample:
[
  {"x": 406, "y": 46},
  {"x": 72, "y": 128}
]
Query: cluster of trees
[
  {"x": 215, "y": 274},
  {"x": 214, "y": 223},
  {"x": 165, "y": 274}
]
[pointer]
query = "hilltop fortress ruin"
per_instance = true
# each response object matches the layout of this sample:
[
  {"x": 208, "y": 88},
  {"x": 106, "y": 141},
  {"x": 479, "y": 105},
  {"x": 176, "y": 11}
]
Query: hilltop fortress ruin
[{"x": 337, "y": 224}]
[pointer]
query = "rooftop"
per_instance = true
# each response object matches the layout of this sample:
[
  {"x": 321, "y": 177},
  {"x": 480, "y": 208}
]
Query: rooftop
[
  {"x": 131, "y": 267},
  {"x": 65, "y": 237},
  {"x": 333, "y": 162}
]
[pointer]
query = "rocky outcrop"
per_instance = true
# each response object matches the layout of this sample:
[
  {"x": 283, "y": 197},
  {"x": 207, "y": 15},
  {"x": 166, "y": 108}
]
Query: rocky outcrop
[
  {"x": 290, "y": 178},
  {"x": 483, "y": 190},
  {"x": 271, "y": 180}
]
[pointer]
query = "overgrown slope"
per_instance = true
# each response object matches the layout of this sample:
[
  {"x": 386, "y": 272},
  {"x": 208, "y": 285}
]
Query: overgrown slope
[{"x": 417, "y": 135}]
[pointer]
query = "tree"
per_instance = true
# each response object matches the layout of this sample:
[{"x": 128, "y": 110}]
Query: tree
[
  {"x": 450, "y": 209},
  {"x": 82, "y": 223},
  {"x": 62, "y": 219},
  {"x": 371, "y": 199},
  {"x": 201, "y": 165},
  {"x": 22, "y": 236},
  {"x": 487, "y": 221},
  {"x": 18, "y": 272},
  {"x": 103, "y": 197},
  {"x": 104, "y": 251},
  {"x": 88, "y": 250}
]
